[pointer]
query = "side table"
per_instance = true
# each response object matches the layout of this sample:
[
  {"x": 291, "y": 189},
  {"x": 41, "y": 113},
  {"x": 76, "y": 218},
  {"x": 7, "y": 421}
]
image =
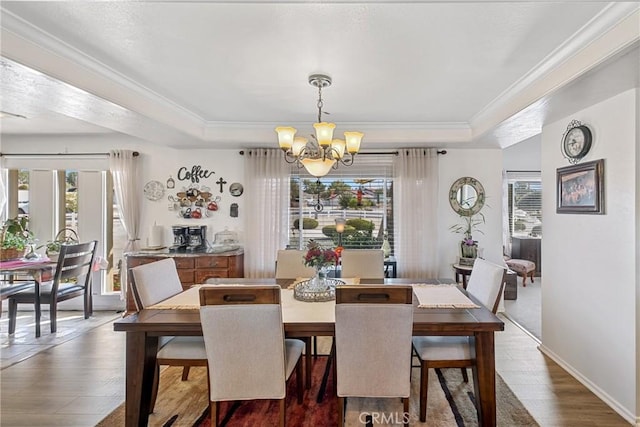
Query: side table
[{"x": 464, "y": 271}]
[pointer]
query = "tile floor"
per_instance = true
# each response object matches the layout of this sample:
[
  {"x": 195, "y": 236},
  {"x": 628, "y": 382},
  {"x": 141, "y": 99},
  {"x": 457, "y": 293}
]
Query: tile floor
[{"x": 76, "y": 377}]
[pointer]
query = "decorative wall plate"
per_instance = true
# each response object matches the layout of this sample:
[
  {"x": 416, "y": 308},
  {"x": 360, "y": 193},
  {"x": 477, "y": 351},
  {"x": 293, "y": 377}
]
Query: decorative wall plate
[{"x": 154, "y": 190}]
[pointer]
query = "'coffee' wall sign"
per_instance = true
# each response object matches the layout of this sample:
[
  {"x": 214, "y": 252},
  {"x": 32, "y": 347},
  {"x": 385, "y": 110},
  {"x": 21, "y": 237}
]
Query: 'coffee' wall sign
[{"x": 194, "y": 174}]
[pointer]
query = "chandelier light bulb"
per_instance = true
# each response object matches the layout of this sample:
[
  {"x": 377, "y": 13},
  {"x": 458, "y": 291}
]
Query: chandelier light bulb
[
  {"x": 338, "y": 146},
  {"x": 353, "y": 141},
  {"x": 299, "y": 142},
  {"x": 285, "y": 136}
]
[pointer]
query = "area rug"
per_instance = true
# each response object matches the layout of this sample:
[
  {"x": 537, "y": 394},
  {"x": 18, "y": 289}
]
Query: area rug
[{"x": 451, "y": 403}]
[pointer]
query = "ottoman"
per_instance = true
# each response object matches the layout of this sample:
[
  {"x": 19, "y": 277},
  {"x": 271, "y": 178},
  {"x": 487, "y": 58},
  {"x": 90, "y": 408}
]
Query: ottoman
[{"x": 523, "y": 267}]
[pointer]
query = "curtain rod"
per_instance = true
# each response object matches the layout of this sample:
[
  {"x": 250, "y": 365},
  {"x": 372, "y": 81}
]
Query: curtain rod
[
  {"x": 395, "y": 153},
  {"x": 532, "y": 171},
  {"x": 135, "y": 154}
]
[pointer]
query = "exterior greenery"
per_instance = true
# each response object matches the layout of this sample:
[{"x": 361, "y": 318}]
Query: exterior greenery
[
  {"x": 15, "y": 234},
  {"x": 307, "y": 223}
]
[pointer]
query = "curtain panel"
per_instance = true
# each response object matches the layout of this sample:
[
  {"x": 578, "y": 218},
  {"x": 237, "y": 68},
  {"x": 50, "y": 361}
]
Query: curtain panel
[
  {"x": 416, "y": 212},
  {"x": 126, "y": 186},
  {"x": 267, "y": 206}
]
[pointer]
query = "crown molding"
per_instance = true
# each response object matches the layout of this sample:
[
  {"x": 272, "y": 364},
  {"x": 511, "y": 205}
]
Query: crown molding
[
  {"x": 608, "y": 33},
  {"x": 378, "y": 132},
  {"x": 29, "y": 45}
]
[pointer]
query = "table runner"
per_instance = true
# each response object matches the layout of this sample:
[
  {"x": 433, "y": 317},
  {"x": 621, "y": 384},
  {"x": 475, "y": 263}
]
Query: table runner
[
  {"x": 441, "y": 296},
  {"x": 293, "y": 311}
]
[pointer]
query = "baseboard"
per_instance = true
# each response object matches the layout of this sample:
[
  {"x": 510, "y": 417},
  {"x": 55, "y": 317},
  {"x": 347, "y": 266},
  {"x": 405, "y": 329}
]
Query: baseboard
[{"x": 622, "y": 411}]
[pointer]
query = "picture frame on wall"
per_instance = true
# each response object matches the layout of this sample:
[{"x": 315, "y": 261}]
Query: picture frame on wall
[{"x": 580, "y": 188}]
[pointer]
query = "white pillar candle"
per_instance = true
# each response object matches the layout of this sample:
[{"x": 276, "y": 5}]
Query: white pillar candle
[{"x": 155, "y": 236}]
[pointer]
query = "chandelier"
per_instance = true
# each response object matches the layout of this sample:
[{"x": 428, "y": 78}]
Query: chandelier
[{"x": 323, "y": 153}]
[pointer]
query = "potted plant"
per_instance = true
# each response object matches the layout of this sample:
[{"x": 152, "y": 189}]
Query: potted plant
[
  {"x": 64, "y": 237},
  {"x": 469, "y": 246},
  {"x": 14, "y": 238}
]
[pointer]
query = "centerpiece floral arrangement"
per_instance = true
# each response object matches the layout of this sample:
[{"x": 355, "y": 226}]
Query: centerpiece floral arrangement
[{"x": 319, "y": 257}]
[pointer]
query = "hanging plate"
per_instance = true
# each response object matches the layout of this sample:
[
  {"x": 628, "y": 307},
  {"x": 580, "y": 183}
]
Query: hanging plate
[{"x": 154, "y": 190}]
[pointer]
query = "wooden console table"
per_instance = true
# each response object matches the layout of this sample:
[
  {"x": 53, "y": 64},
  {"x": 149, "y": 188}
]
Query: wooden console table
[{"x": 193, "y": 268}]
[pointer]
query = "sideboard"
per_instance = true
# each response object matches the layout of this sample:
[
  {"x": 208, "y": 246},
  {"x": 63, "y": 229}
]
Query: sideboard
[{"x": 192, "y": 267}]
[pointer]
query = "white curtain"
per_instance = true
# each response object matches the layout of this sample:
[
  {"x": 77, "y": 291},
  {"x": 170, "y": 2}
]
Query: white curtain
[
  {"x": 415, "y": 199},
  {"x": 506, "y": 237},
  {"x": 267, "y": 207},
  {"x": 126, "y": 185}
]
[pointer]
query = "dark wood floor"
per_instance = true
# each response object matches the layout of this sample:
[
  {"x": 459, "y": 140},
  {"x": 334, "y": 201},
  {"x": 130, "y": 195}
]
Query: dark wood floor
[{"x": 76, "y": 377}]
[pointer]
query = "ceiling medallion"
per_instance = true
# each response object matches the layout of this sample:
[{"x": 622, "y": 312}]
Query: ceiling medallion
[{"x": 323, "y": 153}]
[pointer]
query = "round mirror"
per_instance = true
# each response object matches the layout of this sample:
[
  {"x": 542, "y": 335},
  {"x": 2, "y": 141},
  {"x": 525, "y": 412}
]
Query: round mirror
[{"x": 466, "y": 196}]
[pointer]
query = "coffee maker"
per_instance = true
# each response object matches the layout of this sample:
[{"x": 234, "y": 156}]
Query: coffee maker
[
  {"x": 180, "y": 238},
  {"x": 197, "y": 238}
]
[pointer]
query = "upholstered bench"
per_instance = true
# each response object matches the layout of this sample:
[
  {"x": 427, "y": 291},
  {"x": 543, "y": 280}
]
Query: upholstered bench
[{"x": 523, "y": 267}]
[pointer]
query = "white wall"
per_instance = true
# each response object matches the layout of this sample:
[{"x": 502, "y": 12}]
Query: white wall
[
  {"x": 486, "y": 167},
  {"x": 160, "y": 163},
  {"x": 589, "y": 320},
  {"x": 523, "y": 156}
]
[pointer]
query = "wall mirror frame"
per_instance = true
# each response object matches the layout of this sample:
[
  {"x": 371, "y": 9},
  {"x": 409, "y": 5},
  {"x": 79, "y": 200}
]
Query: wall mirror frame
[{"x": 466, "y": 196}]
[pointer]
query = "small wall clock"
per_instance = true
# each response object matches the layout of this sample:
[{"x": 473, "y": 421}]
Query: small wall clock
[{"x": 576, "y": 141}]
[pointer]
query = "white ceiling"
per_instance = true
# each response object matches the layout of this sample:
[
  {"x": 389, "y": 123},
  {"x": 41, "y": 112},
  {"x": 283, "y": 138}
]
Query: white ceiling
[{"x": 222, "y": 74}]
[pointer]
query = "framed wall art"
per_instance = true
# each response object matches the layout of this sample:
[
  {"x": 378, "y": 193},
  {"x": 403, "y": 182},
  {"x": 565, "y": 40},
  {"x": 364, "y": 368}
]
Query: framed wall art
[{"x": 580, "y": 188}]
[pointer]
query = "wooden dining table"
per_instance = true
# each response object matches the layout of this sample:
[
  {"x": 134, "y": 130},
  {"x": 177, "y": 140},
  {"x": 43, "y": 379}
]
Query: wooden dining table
[{"x": 145, "y": 327}]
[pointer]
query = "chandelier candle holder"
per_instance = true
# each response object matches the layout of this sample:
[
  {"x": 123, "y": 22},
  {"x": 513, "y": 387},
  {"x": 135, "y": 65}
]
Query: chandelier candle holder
[{"x": 324, "y": 152}]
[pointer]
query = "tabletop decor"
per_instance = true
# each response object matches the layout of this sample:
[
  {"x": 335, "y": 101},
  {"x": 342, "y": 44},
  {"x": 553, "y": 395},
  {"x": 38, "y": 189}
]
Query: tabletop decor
[
  {"x": 468, "y": 245},
  {"x": 319, "y": 287}
]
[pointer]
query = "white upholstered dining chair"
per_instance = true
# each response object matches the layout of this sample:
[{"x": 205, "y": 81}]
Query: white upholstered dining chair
[
  {"x": 365, "y": 264},
  {"x": 256, "y": 360},
  {"x": 155, "y": 282},
  {"x": 290, "y": 265},
  {"x": 374, "y": 317},
  {"x": 486, "y": 284}
]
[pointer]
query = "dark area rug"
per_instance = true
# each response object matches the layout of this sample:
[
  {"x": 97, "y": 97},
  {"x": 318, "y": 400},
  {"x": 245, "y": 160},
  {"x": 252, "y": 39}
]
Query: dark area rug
[{"x": 451, "y": 403}]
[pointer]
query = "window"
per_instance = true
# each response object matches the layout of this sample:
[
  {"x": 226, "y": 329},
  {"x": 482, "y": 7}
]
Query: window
[
  {"x": 74, "y": 199},
  {"x": 362, "y": 194},
  {"x": 525, "y": 204}
]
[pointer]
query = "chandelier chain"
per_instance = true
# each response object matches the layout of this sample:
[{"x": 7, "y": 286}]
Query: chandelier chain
[{"x": 320, "y": 103}]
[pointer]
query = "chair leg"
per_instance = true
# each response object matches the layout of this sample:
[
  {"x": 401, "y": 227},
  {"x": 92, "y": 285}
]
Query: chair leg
[
  {"x": 154, "y": 389},
  {"x": 214, "y": 410},
  {"x": 299, "y": 380},
  {"x": 341, "y": 402},
  {"x": 405, "y": 415},
  {"x": 283, "y": 413},
  {"x": 53, "y": 315},
  {"x": 307, "y": 361},
  {"x": 424, "y": 386},
  {"x": 524, "y": 279},
  {"x": 465, "y": 377},
  {"x": 532, "y": 273},
  {"x": 315, "y": 347},
  {"x": 185, "y": 372},
  {"x": 13, "y": 315}
]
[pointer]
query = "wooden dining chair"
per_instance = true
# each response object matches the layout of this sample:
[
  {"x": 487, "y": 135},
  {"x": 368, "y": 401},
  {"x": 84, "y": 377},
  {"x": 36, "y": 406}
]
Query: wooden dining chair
[
  {"x": 365, "y": 264},
  {"x": 373, "y": 328},
  {"x": 155, "y": 282},
  {"x": 256, "y": 360},
  {"x": 72, "y": 279},
  {"x": 486, "y": 284}
]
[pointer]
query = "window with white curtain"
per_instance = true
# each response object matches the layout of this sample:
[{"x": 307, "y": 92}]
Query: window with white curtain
[
  {"x": 362, "y": 194},
  {"x": 525, "y": 204}
]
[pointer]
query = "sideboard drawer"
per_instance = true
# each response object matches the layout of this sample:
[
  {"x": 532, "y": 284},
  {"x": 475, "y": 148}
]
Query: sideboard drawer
[
  {"x": 184, "y": 262},
  {"x": 203, "y": 275},
  {"x": 186, "y": 277},
  {"x": 212, "y": 262}
]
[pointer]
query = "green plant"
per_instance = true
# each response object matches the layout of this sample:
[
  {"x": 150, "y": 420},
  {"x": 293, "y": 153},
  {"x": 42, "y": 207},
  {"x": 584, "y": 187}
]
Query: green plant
[
  {"x": 467, "y": 227},
  {"x": 15, "y": 234},
  {"x": 307, "y": 223}
]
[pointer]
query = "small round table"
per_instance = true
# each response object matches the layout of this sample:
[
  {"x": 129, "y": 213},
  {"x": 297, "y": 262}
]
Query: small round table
[{"x": 464, "y": 271}]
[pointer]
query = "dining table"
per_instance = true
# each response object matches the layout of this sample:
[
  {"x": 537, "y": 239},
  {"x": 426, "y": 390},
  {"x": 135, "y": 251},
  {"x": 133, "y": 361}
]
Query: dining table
[
  {"x": 179, "y": 316},
  {"x": 38, "y": 270}
]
